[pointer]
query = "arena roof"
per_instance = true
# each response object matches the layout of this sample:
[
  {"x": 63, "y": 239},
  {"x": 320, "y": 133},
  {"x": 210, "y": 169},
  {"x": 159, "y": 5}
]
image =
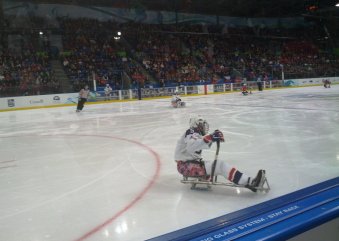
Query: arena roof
[{"x": 239, "y": 8}]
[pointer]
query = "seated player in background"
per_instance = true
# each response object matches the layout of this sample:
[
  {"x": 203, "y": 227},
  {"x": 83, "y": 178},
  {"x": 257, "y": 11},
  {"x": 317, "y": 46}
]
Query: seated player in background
[
  {"x": 327, "y": 83},
  {"x": 176, "y": 100},
  {"x": 244, "y": 90}
]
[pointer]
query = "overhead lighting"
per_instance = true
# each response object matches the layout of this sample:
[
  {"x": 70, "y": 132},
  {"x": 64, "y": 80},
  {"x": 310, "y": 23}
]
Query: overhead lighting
[{"x": 337, "y": 5}]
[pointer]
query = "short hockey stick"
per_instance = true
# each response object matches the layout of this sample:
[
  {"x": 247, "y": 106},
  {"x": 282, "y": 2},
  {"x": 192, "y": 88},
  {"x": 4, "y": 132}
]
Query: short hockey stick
[{"x": 215, "y": 161}]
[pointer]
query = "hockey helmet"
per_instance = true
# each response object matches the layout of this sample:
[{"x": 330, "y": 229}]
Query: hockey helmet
[{"x": 200, "y": 124}]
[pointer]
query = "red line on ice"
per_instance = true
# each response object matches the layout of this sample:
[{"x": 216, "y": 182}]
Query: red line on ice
[{"x": 136, "y": 199}]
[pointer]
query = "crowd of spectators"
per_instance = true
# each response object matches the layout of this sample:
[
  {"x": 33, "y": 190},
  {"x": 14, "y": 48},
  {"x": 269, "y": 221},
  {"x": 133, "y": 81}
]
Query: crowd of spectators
[
  {"x": 90, "y": 51},
  {"x": 179, "y": 57},
  {"x": 25, "y": 66},
  {"x": 27, "y": 73},
  {"x": 166, "y": 55}
]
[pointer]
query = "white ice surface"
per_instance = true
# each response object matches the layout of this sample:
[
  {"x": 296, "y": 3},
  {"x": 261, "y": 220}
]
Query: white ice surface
[{"x": 108, "y": 173}]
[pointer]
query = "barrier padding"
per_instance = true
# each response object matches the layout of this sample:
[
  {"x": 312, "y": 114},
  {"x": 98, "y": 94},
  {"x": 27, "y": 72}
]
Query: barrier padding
[{"x": 277, "y": 219}]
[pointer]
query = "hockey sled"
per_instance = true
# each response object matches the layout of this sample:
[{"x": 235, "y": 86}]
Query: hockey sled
[
  {"x": 200, "y": 183},
  {"x": 178, "y": 105}
]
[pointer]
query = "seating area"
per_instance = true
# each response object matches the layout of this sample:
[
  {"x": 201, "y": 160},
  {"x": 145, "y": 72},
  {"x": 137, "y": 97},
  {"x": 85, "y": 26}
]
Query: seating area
[
  {"x": 25, "y": 64},
  {"x": 26, "y": 74},
  {"x": 164, "y": 55}
]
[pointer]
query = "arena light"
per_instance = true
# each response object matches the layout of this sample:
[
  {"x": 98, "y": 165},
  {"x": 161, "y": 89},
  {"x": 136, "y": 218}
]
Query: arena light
[
  {"x": 119, "y": 33},
  {"x": 337, "y": 5}
]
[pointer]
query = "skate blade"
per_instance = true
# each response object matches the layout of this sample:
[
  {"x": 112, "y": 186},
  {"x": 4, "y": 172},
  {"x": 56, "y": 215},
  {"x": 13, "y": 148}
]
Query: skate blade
[{"x": 206, "y": 185}]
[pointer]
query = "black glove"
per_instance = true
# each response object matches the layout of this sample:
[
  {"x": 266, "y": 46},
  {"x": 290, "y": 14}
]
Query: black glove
[{"x": 217, "y": 136}]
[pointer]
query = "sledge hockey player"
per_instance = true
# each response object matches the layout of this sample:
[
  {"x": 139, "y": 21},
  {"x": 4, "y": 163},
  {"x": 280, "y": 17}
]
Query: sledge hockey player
[
  {"x": 327, "y": 83},
  {"x": 176, "y": 100},
  {"x": 190, "y": 163},
  {"x": 244, "y": 90}
]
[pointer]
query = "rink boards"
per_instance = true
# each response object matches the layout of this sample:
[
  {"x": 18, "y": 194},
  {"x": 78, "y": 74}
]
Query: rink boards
[{"x": 281, "y": 218}]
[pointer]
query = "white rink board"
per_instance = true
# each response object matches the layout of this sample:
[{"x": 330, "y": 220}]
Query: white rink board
[
  {"x": 310, "y": 81},
  {"x": 8, "y": 103},
  {"x": 37, "y": 101}
]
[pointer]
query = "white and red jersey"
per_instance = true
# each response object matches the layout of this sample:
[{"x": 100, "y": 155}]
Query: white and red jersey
[
  {"x": 189, "y": 148},
  {"x": 190, "y": 145},
  {"x": 176, "y": 98},
  {"x": 176, "y": 101}
]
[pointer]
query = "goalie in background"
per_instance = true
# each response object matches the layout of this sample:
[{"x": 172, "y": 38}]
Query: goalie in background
[
  {"x": 191, "y": 164},
  {"x": 108, "y": 91},
  {"x": 176, "y": 100}
]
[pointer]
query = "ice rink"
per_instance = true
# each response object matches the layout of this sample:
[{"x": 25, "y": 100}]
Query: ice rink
[{"x": 108, "y": 172}]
